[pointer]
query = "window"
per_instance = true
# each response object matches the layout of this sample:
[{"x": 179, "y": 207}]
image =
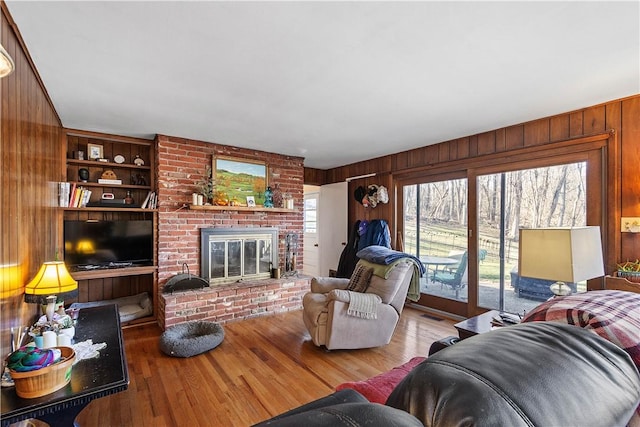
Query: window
[{"x": 310, "y": 215}]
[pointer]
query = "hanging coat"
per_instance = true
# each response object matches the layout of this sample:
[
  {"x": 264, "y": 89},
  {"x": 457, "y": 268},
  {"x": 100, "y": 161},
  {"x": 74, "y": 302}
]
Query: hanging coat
[
  {"x": 377, "y": 233},
  {"x": 348, "y": 258}
]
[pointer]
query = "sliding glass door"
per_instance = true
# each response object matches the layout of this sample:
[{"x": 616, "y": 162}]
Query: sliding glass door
[
  {"x": 463, "y": 225},
  {"x": 435, "y": 230},
  {"x": 553, "y": 196}
]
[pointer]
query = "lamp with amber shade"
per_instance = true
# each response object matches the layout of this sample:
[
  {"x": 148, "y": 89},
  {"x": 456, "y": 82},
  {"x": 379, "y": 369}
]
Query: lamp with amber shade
[
  {"x": 562, "y": 254},
  {"x": 11, "y": 280},
  {"x": 51, "y": 285}
]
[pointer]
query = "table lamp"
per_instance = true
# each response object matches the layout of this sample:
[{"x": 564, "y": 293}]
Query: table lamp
[
  {"x": 561, "y": 254},
  {"x": 51, "y": 284},
  {"x": 11, "y": 280}
]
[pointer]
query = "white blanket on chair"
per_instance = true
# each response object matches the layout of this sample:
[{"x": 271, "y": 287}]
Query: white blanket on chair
[{"x": 363, "y": 305}]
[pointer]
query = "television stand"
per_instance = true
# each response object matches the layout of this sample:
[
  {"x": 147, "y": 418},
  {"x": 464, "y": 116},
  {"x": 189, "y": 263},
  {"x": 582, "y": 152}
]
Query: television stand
[{"x": 103, "y": 273}]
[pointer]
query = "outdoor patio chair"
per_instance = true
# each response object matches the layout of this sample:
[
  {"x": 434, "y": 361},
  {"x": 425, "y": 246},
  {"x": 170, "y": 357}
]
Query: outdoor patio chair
[
  {"x": 456, "y": 280},
  {"x": 454, "y": 254}
]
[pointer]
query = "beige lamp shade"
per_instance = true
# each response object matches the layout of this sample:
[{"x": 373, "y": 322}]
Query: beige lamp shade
[
  {"x": 6, "y": 63},
  {"x": 562, "y": 254},
  {"x": 53, "y": 278}
]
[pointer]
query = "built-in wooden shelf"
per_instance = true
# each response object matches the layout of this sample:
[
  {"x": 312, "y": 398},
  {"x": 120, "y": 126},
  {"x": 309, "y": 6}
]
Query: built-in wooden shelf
[
  {"x": 106, "y": 165},
  {"x": 97, "y": 184},
  {"x": 101, "y": 209},
  {"x": 112, "y": 272},
  {"x": 97, "y": 284},
  {"x": 239, "y": 208}
]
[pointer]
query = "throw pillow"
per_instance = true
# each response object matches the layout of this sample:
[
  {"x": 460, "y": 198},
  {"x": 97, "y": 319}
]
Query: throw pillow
[
  {"x": 377, "y": 389},
  {"x": 360, "y": 278}
]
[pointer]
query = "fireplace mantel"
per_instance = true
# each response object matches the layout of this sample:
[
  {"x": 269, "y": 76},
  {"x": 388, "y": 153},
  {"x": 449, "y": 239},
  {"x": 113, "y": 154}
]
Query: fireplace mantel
[{"x": 240, "y": 209}]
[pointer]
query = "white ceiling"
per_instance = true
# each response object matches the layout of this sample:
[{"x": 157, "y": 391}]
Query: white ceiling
[{"x": 334, "y": 82}]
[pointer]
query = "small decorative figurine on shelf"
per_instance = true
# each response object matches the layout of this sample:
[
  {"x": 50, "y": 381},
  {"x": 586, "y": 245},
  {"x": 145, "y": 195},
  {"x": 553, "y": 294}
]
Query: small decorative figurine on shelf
[
  {"x": 221, "y": 199},
  {"x": 128, "y": 200},
  {"x": 108, "y": 174},
  {"x": 138, "y": 161},
  {"x": 83, "y": 174},
  {"x": 268, "y": 198},
  {"x": 138, "y": 179}
]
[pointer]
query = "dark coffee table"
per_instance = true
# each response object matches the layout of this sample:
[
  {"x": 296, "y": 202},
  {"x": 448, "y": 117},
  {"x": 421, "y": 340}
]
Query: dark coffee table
[
  {"x": 90, "y": 379},
  {"x": 476, "y": 325}
]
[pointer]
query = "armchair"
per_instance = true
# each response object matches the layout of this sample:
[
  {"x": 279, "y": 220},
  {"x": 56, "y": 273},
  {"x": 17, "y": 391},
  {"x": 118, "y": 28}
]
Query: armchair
[
  {"x": 457, "y": 279},
  {"x": 326, "y": 307}
]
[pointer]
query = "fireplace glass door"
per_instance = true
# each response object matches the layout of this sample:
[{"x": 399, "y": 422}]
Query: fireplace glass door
[{"x": 237, "y": 258}]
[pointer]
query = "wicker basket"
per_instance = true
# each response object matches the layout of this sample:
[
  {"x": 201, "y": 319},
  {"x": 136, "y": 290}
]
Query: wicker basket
[{"x": 46, "y": 380}]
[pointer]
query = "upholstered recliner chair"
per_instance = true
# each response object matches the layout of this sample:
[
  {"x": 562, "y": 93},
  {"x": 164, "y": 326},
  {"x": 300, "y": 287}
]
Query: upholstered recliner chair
[{"x": 363, "y": 317}]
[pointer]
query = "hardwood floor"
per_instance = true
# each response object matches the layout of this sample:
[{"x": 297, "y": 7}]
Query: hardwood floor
[{"x": 264, "y": 367}]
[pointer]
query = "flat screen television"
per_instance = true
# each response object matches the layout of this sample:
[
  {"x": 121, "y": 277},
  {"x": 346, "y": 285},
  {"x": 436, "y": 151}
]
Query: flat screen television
[{"x": 107, "y": 244}]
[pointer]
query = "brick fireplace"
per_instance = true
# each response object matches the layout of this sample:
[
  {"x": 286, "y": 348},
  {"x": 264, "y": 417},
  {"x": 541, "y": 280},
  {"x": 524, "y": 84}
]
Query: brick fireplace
[{"x": 181, "y": 163}]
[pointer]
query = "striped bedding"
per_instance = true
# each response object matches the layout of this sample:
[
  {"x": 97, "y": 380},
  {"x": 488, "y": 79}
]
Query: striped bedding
[{"x": 614, "y": 315}]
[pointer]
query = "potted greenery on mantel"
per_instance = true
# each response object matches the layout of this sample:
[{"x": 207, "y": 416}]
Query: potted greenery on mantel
[
  {"x": 630, "y": 270},
  {"x": 206, "y": 186}
]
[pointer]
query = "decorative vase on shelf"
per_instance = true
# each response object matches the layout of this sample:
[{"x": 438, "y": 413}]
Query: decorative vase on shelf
[
  {"x": 70, "y": 331},
  {"x": 268, "y": 198},
  {"x": 277, "y": 197},
  {"x": 287, "y": 201},
  {"x": 39, "y": 340},
  {"x": 63, "y": 340}
]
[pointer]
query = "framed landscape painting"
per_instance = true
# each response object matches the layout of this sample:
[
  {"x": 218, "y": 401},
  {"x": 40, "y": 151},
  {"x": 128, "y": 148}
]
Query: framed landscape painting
[{"x": 240, "y": 178}]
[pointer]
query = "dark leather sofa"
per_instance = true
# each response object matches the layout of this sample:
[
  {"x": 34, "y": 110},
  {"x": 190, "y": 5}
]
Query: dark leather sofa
[{"x": 531, "y": 374}]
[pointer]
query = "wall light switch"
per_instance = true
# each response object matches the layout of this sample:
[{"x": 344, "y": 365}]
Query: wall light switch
[{"x": 630, "y": 224}]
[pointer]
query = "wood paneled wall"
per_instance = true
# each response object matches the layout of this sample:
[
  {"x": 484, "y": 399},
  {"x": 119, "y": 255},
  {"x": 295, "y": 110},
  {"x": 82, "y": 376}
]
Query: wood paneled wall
[
  {"x": 622, "y": 116},
  {"x": 629, "y": 174},
  {"x": 31, "y": 162}
]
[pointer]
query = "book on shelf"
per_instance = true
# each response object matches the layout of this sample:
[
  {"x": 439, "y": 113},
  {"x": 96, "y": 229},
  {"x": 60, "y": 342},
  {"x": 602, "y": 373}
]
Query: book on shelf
[
  {"x": 71, "y": 195},
  {"x": 76, "y": 197},
  {"x": 72, "y": 192},
  {"x": 110, "y": 181},
  {"x": 63, "y": 194},
  {"x": 78, "y": 194},
  {"x": 153, "y": 200},
  {"x": 146, "y": 200},
  {"x": 86, "y": 195}
]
